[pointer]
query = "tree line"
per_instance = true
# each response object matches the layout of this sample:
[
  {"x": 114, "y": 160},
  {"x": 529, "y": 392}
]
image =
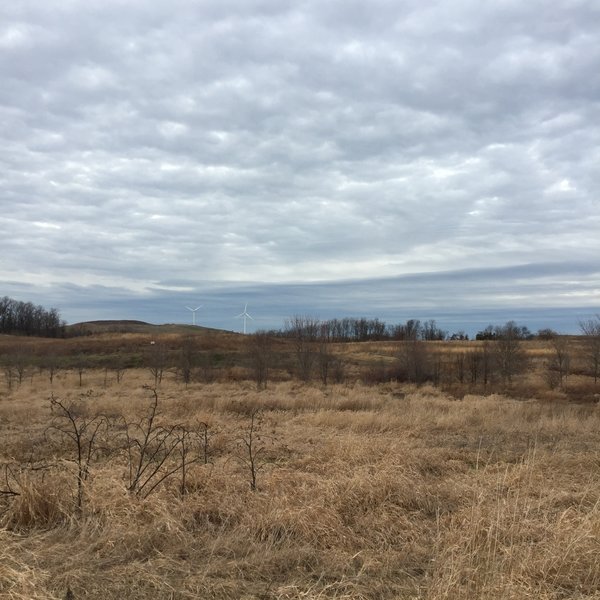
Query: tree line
[
  {"x": 499, "y": 358},
  {"x": 25, "y": 318},
  {"x": 361, "y": 329}
]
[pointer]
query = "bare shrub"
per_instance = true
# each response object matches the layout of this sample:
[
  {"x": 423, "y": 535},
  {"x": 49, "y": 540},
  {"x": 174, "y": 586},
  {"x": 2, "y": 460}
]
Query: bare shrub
[
  {"x": 84, "y": 433},
  {"x": 376, "y": 374},
  {"x": 156, "y": 452},
  {"x": 10, "y": 483},
  {"x": 414, "y": 362},
  {"x": 252, "y": 447},
  {"x": 338, "y": 370},
  {"x": 206, "y": 371}
]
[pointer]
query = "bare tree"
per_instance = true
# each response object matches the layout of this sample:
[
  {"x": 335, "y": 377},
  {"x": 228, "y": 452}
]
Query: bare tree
[
  {"x": 414, "y": 361},
  {"x": 20, "y": 359},
  {"x": 260, "y": 352},
  {"x": 119, "y": 368},
  {"x": 324, "y": 362},
  {"x": 80, "y": 367},
  {"x": 488, "y": 364},
  {"x": 205, "y": 434},
  {"x": 156, "y": 361},
  {"x": 474, "y": 365},
  {"x": 460, "y": 366},
  {"x": 509, "y": 355},
  {"x": 207, "y": 372},
  {"x": 411, "y": 330},
  {"x": 187, "y": 359},
  {"x": 325, "y": 359},
  {"x": 304, "y": 331},
  {"x": 560, "y": 362},
  {"x": 431, "y": 332},
  {"x": 9, "y": 372},
  {"x": 52, "y": 366},
  {"x": 338, "y": 370},
  {"x": 591, "y": 332}
]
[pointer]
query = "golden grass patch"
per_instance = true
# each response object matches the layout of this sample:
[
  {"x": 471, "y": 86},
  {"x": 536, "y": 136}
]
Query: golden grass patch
[{"x": 362, "y": 492}]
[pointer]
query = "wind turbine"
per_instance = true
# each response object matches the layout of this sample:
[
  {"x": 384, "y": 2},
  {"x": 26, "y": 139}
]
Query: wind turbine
[
  {"x": 245, "y": 316},
  {"x": 194, "y": 313}
]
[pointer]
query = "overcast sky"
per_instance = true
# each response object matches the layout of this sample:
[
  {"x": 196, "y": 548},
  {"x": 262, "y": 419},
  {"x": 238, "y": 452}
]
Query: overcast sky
[{"x": 382, "y": 158}]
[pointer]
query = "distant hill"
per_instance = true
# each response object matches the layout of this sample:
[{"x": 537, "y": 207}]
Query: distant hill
[{"x": 132, "y": 326}]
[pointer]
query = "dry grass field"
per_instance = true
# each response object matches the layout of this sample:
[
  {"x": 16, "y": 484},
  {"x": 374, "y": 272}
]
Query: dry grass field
[{"x": 362, "y": 492}]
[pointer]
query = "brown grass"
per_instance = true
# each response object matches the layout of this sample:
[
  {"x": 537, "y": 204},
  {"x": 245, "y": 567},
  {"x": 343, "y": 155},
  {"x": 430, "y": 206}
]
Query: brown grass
[{"x": 366, "y": 492}]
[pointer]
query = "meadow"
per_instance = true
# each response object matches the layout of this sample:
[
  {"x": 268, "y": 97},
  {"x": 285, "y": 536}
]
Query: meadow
[{"x": 116, "y": 486}]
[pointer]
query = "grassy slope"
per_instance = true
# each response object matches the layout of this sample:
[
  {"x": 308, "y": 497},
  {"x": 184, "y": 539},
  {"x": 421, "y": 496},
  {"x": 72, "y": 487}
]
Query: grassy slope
[
  {"x": 123, "y": 326},
  {"x": 386, "y": 492}
]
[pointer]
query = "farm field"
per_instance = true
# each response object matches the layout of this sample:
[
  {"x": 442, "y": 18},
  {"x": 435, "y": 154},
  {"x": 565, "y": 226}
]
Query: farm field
[{"x": 296, "y": 491}]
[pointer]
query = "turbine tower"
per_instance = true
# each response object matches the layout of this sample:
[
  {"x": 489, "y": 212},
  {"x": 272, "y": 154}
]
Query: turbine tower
[
  {"x": 194, "y": 313},
  {"x": 245, "y": 316}
]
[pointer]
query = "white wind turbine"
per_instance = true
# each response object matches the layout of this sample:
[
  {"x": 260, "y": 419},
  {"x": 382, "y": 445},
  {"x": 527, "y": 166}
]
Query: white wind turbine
[
  {"x": 194, "y": 313},
  {"x": 245, "y": 316}
]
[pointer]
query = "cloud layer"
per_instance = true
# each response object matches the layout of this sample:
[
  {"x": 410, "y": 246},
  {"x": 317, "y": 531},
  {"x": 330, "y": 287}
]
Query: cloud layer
[{"x": 170, "y": 149}]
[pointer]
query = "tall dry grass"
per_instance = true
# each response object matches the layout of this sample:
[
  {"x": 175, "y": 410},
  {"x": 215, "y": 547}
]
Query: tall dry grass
[{"x": 364, "y": 492}]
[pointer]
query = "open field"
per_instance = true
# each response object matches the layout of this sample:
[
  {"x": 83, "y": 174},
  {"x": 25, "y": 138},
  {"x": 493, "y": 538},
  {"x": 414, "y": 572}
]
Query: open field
[
  {"x": 385, "y": 491},
  {"x": 560, "y": 369}
]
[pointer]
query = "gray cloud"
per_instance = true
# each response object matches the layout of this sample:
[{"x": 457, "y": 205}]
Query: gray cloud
[
  {"x": 539, "y": 295},
  {"x": 281, "y": 143}
]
